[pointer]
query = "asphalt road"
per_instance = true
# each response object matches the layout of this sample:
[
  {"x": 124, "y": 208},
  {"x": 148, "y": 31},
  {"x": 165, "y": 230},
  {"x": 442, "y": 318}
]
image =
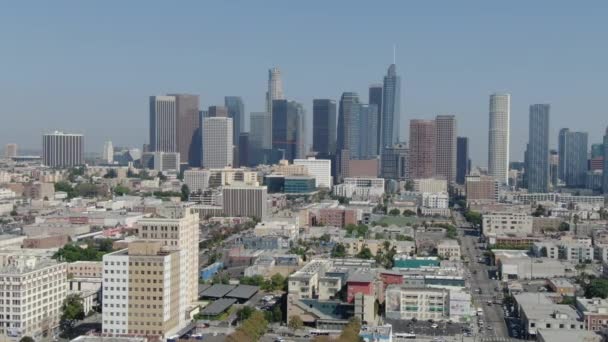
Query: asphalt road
[{"x": 480, "y": 279}]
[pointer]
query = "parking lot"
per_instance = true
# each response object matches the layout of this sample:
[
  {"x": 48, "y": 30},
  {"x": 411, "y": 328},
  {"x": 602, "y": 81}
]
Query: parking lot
[{"x": 426, "y": 328}]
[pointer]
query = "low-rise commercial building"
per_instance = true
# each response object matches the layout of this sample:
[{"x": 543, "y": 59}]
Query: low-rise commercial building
[
  {"x": 594, "y": 312},
  {"x": 539, "y": 312},
  {"x": 449, "y": 249},
  {"x": 507, "y": 223},
  {"x": 403, "y": 302}
]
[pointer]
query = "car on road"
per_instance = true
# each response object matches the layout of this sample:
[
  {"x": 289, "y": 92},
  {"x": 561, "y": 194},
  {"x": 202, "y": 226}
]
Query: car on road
[{"x": 434, "y": 326}]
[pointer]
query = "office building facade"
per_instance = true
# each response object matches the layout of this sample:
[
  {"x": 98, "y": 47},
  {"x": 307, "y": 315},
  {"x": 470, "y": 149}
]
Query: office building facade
[
  {"x": 462, "y": 159},
  {"x": 218, "y": 151},
  {"x": 320, "y": 169},
  {"x": 10, "y": 150},
  {"x": 422, "y": 148},
  {"x": 445, "y": 147},
  {"x": 288, "y": 128},
  {"x": 368, "y": 139},
  {"x": 498, "y": 137},
  {"x": 62, "y": 149},
  {"x": 236, "y": 111},
  {"x": 375, "y": 98},
  {"x": 324, "y": 127},
  {"x": 605, "y": 171},
  {"x": 245, "y": 201},
  {"x": 575, "y": 155},
  {"x": 107, "y": 155},
  {"x": 394, "y": 162},
  {"x": 391, "y": 107},
  {"x": 561, "y": 150},
  {"x": 538, "y": 149},
  {"x": 275, "y": 88}
]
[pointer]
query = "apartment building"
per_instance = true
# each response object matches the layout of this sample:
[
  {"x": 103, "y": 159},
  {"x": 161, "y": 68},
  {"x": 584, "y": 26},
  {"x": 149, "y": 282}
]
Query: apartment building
[
  {"x": 507, "y": 223},
  {"x": 403, "y": 302},
  {"x": 143, "y": 290},
  {"x": 305, "y": 282},
  {"x": 431, "y": 185},
  {"x": 448, "y": 249},
  {"x": 575, "y": 252},
  {"x": 33, "y": 292}
]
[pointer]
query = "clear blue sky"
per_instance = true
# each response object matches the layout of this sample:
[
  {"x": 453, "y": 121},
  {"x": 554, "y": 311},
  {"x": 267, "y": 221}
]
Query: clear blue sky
[{"x": 90, "y": 66}]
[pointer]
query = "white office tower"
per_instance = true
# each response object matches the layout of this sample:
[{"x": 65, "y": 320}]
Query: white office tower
[
  {"x": 275, "y": 88},
  {"x": 318, "y": 168},
  {"x": 62, "y": 149},
  {"x": 197, "y": 180},
  {"x": 217, "y": 142},
  {"x": 498, "y": 142},
  {"x": 108, "y": 153}
]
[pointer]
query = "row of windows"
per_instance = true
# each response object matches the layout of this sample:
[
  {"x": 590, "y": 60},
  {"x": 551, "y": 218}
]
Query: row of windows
[
  {"x": 123, "y": 331},
  {"x": 133, "y": 298},
  {"x": 148, "y": 323},
  {"x": 162, "y": 228},
  {"x": 148, "y": 289},
  {"x": 132, "y": 263},
  {"x": 133, "y": 314},
  {"x": 134, "y": 272},
  {"x": 148, "y": 281}
]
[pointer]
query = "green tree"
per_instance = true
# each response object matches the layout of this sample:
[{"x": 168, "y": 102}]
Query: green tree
[
  {"x": 72, "y": 310},
  {"x": 401, "y": 237},
  {"x": 564, "y": 227},
  {"x": 597, "y": 288},
  {"x": 244, "y": 313},
  {"x": 295, "y": 323},
  {"x": 121, "y": 190},
  {"x": 408, "y": 213},
  {"x": 65, "y": 187},
  {"x": 110, "y": 174},
  {"x": 338, "y": 251},
  {"x": 365, "y": 253},
  {"x": 27, "y": 339},
  {"x": 278, "y": 281},
  {"x": 409, "y": 185},
  {"x": 185, "y": 192},
  {"x": 394, "y": 212}
]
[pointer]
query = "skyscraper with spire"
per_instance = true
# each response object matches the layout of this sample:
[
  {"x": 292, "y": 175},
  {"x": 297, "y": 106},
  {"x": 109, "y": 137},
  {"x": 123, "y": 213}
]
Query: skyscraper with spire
[
  {"x": 275, "y": 88},
  {"x": 391, "y": 107}
]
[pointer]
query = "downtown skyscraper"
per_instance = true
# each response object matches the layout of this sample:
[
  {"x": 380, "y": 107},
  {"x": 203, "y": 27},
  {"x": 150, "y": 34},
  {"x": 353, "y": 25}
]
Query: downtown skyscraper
[
  {"x": 175, "y": 126},
  {"x": 62, "y": 150},
  {"x": 561, "y": 150},
  {"x": 349, "y": 105},
  {"x": 236, "y": 111},
  {"x": 288, "y": 129},
  {"x": 391, "y": 107},
  {"x": 605, "y": 170},
  {"x": 462, "y": 159},
  {"x": 498, "y": 137},
  {"x": 575, "y": 162},
  {"x": 445, "y": 148},
  {"x": 423, "y": 150},
  {"x": 375, "y": 98},
  {"x": 538, "y": 149},
  {"x": 324, "y": 127},
  {"x": 275, "y": 88}
]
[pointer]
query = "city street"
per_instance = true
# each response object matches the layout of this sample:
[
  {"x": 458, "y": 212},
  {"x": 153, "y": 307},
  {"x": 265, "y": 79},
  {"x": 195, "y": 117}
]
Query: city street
[{"x": 483, "y": 288}]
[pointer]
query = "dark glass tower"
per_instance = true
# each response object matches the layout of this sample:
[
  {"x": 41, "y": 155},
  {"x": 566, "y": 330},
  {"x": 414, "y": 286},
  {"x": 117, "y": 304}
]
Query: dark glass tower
[
  {"x": 288, "y": 128},
  {"x": 236, "y": 111},
  {"x": 375, "y": 98},
  {"x": 391, "y": 107},
  {"x": 538, "y": 149},
  {"x": 462, "y": 159},
  {"x": 575, "y": 158},
  {"x": 324, "y": 127}
]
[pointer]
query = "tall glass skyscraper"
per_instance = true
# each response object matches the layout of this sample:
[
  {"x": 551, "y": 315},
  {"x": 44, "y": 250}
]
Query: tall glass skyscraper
[
  {"x": 324, "y": 127},
  {"x": 288, "y": 128},
  {"x": 462, "y": 159},
  {"x": 561, "y": 151},
  {"x": 391, "y": 107},
  {"x": 260, "y": 137},
  {"x": 538, "y": 149},
  {"x": 605, "y": 171},
  {"x": 498, "y": 137},
  {"x": 347, "y": 115},
  {"x": 275, "y": 88},
  {"x": 236, "y": 111},
  {"x": 375, "y": 98},
  {"x": 368, "y": 139},
  {"x": 445, "y": 147},
  {"x": 575, "y": 158}
]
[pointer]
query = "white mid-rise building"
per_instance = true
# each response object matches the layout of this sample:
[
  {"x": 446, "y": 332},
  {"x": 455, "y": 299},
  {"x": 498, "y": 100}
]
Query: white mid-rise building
[
  {"x": 439, "y": 200},
  {"x": 218, "y": 151},
  {"x": 197, "y": 180},
  {"x": 361, "y": 189},
  {"x": 166, "y": 161},
  {"x": 431, "y": 185},
  {"x": 34, "y": 292},
  {"x": 404, "y": 302},
  {"x": 318, "y": 168},
  {"x": 506, "y": 223},
  {"x": 449, "y": 249}
]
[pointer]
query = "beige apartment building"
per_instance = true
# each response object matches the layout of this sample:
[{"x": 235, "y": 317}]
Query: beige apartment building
[
  {"x": 142, "y": 289},
  {"x": 33, "y": 292}
]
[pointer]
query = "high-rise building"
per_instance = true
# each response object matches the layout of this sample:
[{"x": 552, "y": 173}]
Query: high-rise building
[
  {"x": 150, "y": 277},
  {"x": 288, "y": 128},
  {"x": 324, "y": 127},
  {"x": 375, "y": 98},
  {"x": 538, "y": 149},
  {"x": 217, "y": 112},
  {"x": 391, "y": 107},
  {"x": 320, "y": 169},
  {"x": 165, "y": 161},
  {"x": 561, "y": 150},
  {"x": 107, "y": 154},
  {"x": 422, "y": 148},
  {"x": 245, "y": 200},
  {"x": 236, "y": 111},
  {"x": 62, "y": 149},
  {"x": 597, "y": 151},
  {"x": 368, "y": 139},
  {"x": 575, "y": 155},
  {"x": 445, "y": 147},
  {"x": 275, "y": 88},
  {"x": 481, "y": 188},
  {"x": 498, "y": 137},
  {"x": 553, "y": 167},
  {"x": 197, "y": 180},
  {"x": 163, "y": 124},
  {"x": 605, "y": 171},
  {"x": 394, "y": 162},
  {"x": 243, "y": 149},
  {"x": 349, "y": 106},
  {"x": 177, "y": 229},
  {"x": 462, "y": 159},
  {"x": 217, "y": 142},
  {"x": 10, "y": 150},
  {"x": 260, "y": 137},
  {"x": 175, "y": 126}
]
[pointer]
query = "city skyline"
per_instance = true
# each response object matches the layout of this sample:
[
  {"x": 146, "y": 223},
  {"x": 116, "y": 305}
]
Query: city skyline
[{"x": 420, "y": 66}]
